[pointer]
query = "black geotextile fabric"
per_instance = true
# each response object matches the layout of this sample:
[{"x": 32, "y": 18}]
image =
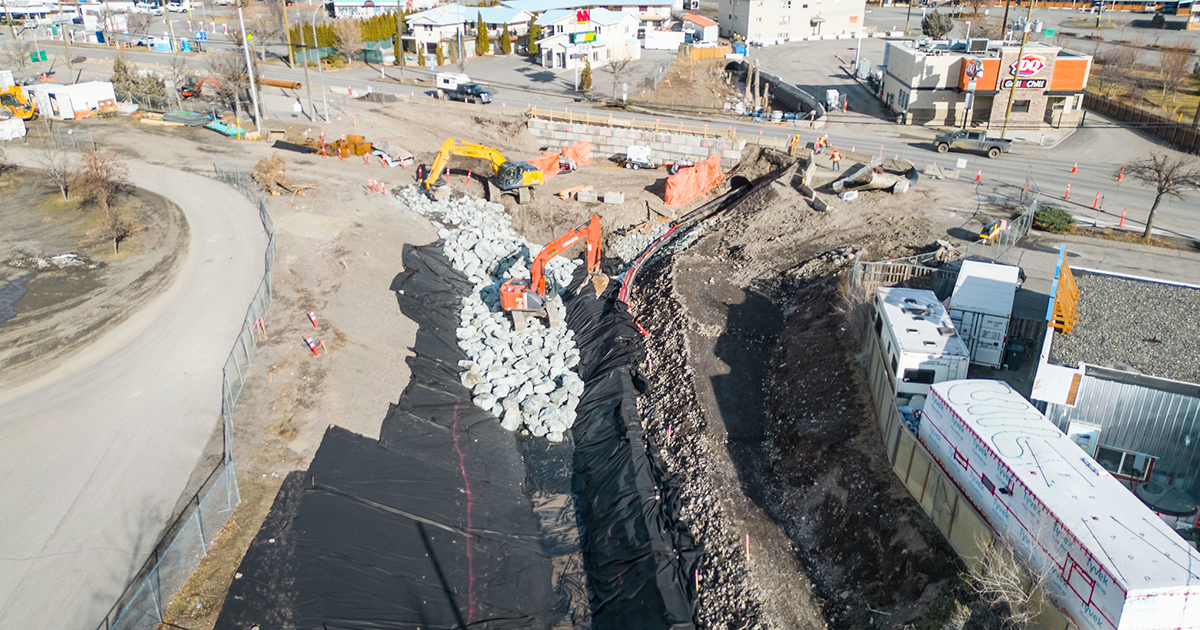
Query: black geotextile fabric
[
  {"x": 639, "y": 555},
  {"x": 429, "y": 527},
  {"x": 432, "y": 526}
]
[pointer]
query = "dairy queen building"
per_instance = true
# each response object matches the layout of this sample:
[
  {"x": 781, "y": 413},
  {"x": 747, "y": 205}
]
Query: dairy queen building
[{"x": 960, "y": 83}]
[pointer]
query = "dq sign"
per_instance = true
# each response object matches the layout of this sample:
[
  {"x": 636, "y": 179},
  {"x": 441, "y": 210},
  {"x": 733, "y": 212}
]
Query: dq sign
[
  {"x": 1028, "y": 66},
  {"x": 974, "y": 69}
]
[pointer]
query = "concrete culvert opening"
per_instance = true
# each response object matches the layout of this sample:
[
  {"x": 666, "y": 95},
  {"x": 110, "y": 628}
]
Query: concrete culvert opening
[{"x": 738, "y": 181}]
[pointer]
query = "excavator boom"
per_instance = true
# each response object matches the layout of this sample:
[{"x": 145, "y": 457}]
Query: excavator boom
[
  {"x": 523, "y": 296},
  {"x": 511, "y": 174},
  {"x": 589, "y": 230}
]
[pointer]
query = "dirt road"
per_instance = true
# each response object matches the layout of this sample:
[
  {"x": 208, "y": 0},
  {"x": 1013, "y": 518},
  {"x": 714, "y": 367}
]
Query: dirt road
[{"x": 96, "y": 452}]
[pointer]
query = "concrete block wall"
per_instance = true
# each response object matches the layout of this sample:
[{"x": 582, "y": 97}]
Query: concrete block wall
[{"x": 609, "y": 141}]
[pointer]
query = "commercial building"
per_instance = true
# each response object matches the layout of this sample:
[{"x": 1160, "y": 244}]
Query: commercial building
[
  {"x": 769, "y": 22},
  {"x": 967, "y": 82},
  {"x": 651, "y": 14},
  {"x": 602, "y": 37},
  {"x": 1124, "y": 383},
  {"x": 704, "y": 30}
]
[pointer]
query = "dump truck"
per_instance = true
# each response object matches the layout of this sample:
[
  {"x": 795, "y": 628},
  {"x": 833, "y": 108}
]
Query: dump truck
[{"x": 972, "y": 141}]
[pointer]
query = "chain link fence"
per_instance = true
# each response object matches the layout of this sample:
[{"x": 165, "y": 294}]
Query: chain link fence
[
  {"x": 189, "y": 537},
  {"x": 924, "y": 270}
]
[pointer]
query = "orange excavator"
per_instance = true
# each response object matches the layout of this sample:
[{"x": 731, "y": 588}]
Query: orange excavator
[{"x": 526, "y": 297}]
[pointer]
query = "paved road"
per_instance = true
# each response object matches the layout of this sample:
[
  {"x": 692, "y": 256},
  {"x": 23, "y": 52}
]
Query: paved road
[{"x": 95, "y": 454}]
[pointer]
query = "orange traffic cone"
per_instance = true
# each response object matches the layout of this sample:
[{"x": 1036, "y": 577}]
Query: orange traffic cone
[
  {"x": 382, "y": 188},
  {"x": 1067, "y": 195},
  {"x": 312, "y": 345},
  {"x": 1096, "y": 203},
  {"x": 979, "y": 175},
  {"x": 1075, "y": 167},
  {"x": 1121, "y": 175},
  {"x": 312, "y": 317}
]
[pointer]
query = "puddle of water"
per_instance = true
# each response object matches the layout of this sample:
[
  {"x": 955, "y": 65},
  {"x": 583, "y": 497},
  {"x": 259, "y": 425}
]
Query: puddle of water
[{"x": 10, "y": 294}]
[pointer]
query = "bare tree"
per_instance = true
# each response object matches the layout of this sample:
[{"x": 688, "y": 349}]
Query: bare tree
[
  {"x": 138, "y": 23},
  {"x": 263, "y": 23},
  {"x": 233, "y": 83},
  {"x": 1173, "y": 64},
  {"x": 976, "y": 6},
  {"x": 1005, "y": 584},
  {"x": 17, "y": 55},
  {"x": 101, "y": 175},
  {"x": 177, "y": 73},
  {"x": 617, "y": 68},
  {"x": 349, "y": 35},
  {"x": 56, "y": 161},
  {"x": 1111, "y": 69},
  {"x": 1169, "y": 176}
]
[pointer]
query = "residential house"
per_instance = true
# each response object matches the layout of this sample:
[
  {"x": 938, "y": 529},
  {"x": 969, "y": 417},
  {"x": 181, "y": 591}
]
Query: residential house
[
  {"x": 369, "y": 8},
  {"x": 603, "y": 37},
  {"x": 704, "y": 30},
  {"x": 776, "y": 21},
  {"x": 449, "y": 24}
]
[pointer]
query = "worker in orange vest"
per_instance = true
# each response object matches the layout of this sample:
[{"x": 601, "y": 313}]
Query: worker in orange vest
[
  {"x": 821, "y": 142},
  {"x": 836, "y": 158}
]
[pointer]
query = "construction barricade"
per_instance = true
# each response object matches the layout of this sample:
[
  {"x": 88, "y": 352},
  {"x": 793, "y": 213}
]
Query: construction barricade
[{"x": 696, "y": 181}]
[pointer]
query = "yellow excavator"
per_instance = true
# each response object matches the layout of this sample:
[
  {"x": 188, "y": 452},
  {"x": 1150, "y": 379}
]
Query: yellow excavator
[
  {"x": 516, "y": 177},
  {"x": 13, "y": 100}
]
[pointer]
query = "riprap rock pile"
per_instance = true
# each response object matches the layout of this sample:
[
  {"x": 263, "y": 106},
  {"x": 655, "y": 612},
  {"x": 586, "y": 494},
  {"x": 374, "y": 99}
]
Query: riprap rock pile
[{"x": 524, "y": 377}]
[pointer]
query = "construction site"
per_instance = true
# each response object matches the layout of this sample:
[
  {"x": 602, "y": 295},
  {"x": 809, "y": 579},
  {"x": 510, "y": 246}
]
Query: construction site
[{"x": 524, "y": 368}]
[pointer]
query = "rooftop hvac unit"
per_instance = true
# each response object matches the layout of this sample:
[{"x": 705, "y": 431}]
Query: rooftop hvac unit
[{"x": 977, "y": 45}]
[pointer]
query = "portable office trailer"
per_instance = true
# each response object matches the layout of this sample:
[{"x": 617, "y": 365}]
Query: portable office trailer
[
  {"x": 981, "y": 306},
  {"x": 67, "y": 102},
  {"x": 1108, "y": 562},
  {"x": 919, "y": 340}
]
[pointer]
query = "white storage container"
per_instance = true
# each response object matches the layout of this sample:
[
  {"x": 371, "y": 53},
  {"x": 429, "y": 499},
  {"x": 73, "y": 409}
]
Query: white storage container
[
  {"x": 918, "y": 342},
  {"x": 981, "y": 306}
]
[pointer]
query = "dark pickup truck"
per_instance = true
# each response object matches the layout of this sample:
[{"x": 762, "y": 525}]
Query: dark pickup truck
[{"x": 972, "y": 141}]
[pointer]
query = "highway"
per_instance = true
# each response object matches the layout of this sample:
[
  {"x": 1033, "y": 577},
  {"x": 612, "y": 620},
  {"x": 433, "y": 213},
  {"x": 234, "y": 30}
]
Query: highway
[{"x": 95, "y": 453}]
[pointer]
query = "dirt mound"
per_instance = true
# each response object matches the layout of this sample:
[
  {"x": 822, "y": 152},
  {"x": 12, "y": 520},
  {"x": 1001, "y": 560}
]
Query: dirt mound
[
  {"x": 271, "y": 174},
  {"x": 759, "y": 407}
]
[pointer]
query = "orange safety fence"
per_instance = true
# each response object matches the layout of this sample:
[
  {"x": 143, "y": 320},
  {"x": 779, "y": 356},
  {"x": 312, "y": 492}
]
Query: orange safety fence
[
  {"x": 581, "y": 152},
  {"x": 547, "y": 164},
  {"x": 690, "y": 183}
]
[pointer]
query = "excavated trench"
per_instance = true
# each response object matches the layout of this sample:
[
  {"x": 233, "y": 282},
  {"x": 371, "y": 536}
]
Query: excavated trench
[{"x": 758, "y": 408}]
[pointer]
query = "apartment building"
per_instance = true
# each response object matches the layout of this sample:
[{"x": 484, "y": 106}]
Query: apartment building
[{"x": 776, "y": 21}]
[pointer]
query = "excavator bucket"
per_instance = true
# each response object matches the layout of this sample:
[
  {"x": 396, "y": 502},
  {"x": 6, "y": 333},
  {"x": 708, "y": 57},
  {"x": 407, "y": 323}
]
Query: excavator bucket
[{"x": 599, "y": 282}]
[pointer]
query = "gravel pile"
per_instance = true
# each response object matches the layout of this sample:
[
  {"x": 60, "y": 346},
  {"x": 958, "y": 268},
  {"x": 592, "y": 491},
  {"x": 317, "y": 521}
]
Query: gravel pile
[
  {"x": 629, "y": 245},
  {"x": 1148, "y": 326},
  {"x": 524, "y": 377}
]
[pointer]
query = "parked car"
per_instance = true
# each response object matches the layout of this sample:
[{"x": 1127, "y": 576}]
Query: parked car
[
  {"x": 145, "y": 7},
  {"x": 179, "y": 7},
  {"x": 78, "y": 19},
  {"x": 972, "y": 141}
]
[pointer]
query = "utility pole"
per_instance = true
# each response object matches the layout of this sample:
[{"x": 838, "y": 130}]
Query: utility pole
[
  {"x": 909, "y": 17},
  {"x": 1004, "y": 26},
  {"x": 249, "y": 69},
  {"x": 12, "y": 30},
  {"x": 399, "y": 48},
  {"x": 170, "y": 29},
  {"x": 308, "y": 84},
  {"x": 65, "y": 35},
  {"x": 108, "y": 26},
  {"x": 287, "y": 32},
  {"x": 1012, "y": 90},
  {"x": 320, "y": 66}
]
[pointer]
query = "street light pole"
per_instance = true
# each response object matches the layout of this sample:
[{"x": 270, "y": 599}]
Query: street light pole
[
  {"x": 320, "y": 67},
  {"x": 12, "y": 30},
  {"x": 249, "y": 69}
]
